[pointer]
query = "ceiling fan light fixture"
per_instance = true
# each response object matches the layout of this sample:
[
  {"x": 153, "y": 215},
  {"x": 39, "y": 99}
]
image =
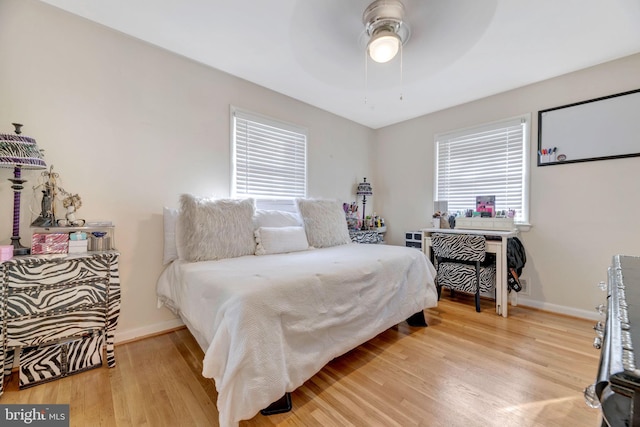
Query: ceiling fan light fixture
[
  {"x": 384, "y": 46},
  {"x": 385, "y": 26}
]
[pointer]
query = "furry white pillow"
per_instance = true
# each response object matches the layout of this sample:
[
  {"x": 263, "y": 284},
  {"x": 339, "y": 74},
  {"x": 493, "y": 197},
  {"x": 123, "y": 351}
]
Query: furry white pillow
[
  {"x": 279, "y": 240},
  {"x": 324, "y": 222},
  {"x": 274, "y": 218},
  {"x": 216, "y": 229}
]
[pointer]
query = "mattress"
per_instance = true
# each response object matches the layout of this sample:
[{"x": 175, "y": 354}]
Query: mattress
[{"x": 268, "y": 323}]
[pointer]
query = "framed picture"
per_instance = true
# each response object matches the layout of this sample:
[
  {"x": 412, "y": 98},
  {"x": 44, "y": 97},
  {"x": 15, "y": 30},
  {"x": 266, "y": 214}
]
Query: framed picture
[
  {"x": 486, "y": 205},
  {"x": 596, "y": 129}
]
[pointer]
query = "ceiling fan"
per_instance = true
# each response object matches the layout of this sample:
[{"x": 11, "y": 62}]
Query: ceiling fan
[{"x": 387, "y": 29}]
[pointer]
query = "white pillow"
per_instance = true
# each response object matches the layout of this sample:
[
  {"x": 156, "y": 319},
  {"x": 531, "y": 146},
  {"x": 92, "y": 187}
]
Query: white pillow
[
  {"x": 279, "y": 240},
  {"x": 170, "y": 217},
  {"x": 273, "y": 218},
  {"x": 324, "y": 222},
  {"x": 216, "y": 229}
]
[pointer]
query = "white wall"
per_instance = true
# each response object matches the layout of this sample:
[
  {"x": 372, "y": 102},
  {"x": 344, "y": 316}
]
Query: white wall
[
  {"x": 581, "y": 213},
  {"x": 130, "y": 126}
]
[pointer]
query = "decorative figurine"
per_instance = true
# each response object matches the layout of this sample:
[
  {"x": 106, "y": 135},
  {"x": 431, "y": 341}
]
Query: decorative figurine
[
  {"x": 72, "y": 203},
  {"x": 47, "y": 205}
]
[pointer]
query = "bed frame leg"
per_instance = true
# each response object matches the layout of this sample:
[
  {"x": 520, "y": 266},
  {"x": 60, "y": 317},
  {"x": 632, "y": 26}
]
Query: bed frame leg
[
  {"x": 417, "y": 319},
  {"x": 279, "y": 406}
]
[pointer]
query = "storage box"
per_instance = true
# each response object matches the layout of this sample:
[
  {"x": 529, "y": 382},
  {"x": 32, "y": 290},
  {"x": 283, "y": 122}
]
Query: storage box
[
  {"x": 413, "y": 239},
  {"x": 6, "y": 252},
  {"x": 477, "y": 223},
  {"x": 49, "y": 243},
  {"x": 78, "y": 246}
]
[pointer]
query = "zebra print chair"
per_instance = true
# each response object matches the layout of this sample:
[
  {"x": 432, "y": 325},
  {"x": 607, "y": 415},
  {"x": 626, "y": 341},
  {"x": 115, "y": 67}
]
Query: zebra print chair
[{"x": 459, "y": 266}]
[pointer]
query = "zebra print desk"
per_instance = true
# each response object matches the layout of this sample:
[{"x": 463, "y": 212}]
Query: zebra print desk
[{"x": 57, "y": 313}]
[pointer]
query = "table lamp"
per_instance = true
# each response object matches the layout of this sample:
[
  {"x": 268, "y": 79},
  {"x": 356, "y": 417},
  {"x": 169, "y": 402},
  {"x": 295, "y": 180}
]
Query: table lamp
[
  {"x": 19, "y": 152},
  {"x": 364, "y": 190}
]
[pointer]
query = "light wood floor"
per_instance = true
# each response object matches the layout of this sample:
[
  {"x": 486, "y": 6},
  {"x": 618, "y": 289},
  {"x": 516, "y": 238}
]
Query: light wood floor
[{"x": 465, "y": 369}]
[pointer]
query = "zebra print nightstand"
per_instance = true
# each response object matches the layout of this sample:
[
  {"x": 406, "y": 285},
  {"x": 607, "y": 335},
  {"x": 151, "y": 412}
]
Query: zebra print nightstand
[
  {"x": 365, "y": 236},
  {"x": 57, "y": 313}
]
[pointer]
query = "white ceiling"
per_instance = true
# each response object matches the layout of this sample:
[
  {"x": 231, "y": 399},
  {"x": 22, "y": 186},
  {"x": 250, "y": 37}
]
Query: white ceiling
[{"x": 313, "y": 50}]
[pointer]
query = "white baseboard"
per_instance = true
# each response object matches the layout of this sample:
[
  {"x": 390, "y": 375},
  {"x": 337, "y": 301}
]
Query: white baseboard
[
  {"x": 137, "y": 333},
  {"x": 561, "y": 309}
]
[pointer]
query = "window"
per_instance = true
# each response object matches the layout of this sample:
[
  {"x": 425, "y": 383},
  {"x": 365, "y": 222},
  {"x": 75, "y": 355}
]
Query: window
[
  {"x": 269, "y": 160},
  {"x": 487, "y": 160}
]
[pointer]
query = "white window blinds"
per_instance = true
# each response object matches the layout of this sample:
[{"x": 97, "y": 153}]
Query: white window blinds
[
  {"x": 488, "y": 160},
  {"x": 269, "y": 158}
]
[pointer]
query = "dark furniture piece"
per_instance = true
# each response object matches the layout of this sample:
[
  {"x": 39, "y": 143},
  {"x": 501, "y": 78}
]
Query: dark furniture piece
[{"x": 617, "y": 386}]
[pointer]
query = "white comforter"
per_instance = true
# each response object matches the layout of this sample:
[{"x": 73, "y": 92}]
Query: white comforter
[{"x": 268, "y": 323}]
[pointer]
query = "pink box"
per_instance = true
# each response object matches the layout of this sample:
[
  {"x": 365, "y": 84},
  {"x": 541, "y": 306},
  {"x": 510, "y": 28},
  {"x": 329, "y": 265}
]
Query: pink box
[
  {"x": 6, "y": 252},
  {"x": 49, "y": 243}
]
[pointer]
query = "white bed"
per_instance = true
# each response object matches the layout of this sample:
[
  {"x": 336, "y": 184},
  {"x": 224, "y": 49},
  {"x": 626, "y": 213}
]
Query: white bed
[{"x": 268, "y": 323}]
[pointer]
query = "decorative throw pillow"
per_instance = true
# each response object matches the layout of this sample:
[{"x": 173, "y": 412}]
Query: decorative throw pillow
[
  {"x": 274, "y": 218},
  {"x": 279, "y": 240},
  {"x": 216, "y": 229},
  {"x": 324, "y": 222}
]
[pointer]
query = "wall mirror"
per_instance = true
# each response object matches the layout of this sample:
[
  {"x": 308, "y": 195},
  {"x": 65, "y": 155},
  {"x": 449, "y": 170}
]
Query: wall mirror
[{"x": 597, "y": 129}]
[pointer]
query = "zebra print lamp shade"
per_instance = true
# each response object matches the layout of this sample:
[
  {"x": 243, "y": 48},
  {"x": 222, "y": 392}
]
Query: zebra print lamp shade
[
  {"x": 19, "y": 152},
  {"x": 364, "y": 189}
]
